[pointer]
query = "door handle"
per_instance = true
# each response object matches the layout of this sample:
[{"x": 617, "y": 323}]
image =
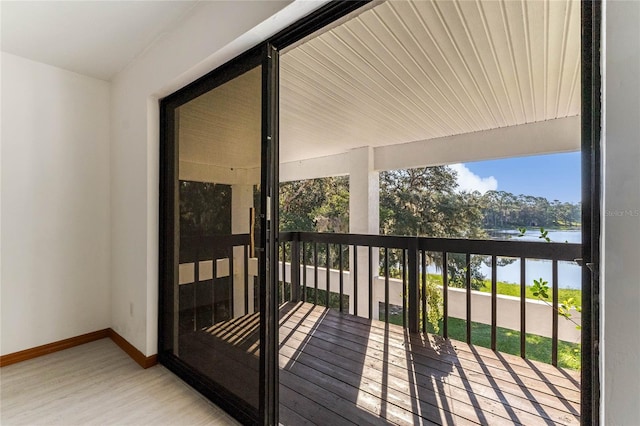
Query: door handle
[
  {"x": 580, "y": 262},
  {"x": 252, "y": 232}
]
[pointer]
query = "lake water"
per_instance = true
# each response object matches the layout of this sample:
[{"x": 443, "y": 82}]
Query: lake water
[
  {"x": 571, "y": 236},
  {"x": 569, "y": 273}
]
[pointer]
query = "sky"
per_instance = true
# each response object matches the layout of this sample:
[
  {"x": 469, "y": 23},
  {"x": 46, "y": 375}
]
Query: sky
[{"x": 553, "y": 176}]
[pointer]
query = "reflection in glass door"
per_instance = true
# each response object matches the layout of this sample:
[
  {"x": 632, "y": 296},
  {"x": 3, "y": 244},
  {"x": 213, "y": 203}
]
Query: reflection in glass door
[
  {"x": 213, "y": 244},
  {"x": 219, "y": 140}
]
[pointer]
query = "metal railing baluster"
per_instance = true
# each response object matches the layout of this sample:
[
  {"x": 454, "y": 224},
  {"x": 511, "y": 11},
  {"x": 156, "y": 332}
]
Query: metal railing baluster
[
  {"x": 468, "y": 294},
  {"x": 340, "y": 267},
  {"x": 328, "y": 286},
  {"x": 523, "y": 304},
  {"x": 445, "y": 295},
  {"x": 494, "y": 302},
  {"x": 554, "y": 297},
  {"x": 304, "y": 272},
  {"x": 370, "y": 274},
  {"x": 315, "y": 273}
]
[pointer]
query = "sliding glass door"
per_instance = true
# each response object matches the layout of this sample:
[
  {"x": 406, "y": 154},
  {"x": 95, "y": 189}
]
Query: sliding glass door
[{"x": 219, "y": 168}]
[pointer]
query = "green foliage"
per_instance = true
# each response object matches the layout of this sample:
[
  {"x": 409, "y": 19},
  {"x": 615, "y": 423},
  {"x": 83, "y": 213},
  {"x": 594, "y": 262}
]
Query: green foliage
[
  {"x": 544, "y": 235},
  {"x": 205, "y": 208},
  {"x": 284, "y": 292},
  {"x": 334, "y": 255},
  {"x": 457, "y": 271},
  {"x": 424, "y": 202},
  {"x": 315, "y": 205},
  {"x": 434, "y": 304},
  {"x": 565, "y": 307},
  {"x": 334, "y": 298},
  {"x": 540, "y": 289}
]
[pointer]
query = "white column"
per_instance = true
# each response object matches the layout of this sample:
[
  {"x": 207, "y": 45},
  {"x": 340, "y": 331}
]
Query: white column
[
  {"x": 241, "y": 202},
  {"x": 364, "y": 218}
]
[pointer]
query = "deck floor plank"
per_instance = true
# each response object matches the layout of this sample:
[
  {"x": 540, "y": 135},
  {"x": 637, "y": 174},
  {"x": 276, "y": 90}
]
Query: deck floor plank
[
  {"x": 394, "y": 352},
  {"x": 423, "y": 382},
  {"x": 503, "y": 388},
  {"x": 468, "y": 356}
]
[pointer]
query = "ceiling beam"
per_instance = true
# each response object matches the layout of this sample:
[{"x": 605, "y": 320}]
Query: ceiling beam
[
  {"x": 545, "y": 137},
  {"x": 313, "y": 168}
]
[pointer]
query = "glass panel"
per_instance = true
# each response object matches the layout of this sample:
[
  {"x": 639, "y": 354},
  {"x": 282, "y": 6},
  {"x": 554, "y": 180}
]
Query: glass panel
[{"x": 217, "y": 328}]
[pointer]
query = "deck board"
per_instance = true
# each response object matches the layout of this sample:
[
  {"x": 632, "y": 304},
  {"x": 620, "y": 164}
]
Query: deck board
[{"x": 344, "y": 370}]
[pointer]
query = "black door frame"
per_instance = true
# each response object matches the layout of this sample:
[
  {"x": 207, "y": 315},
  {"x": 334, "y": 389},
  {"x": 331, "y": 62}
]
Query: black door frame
[
  {"x": 591, "y": 22},
  {"x": 262, "y": 55},
  {"x": 269, "y": 316},
  {"x": 591, "y": 115}
]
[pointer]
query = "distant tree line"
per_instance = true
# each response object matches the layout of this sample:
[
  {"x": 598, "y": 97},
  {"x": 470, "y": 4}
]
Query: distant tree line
[{"x": 505, "y": 210}]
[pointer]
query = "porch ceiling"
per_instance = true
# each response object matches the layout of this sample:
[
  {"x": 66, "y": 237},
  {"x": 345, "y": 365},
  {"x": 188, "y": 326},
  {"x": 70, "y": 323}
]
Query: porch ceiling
[
  {"x": 222, "y": 127},
  {"x": 407, "y": 71}
]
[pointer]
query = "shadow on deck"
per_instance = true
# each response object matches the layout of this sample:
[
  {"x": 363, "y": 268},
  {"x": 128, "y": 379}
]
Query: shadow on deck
[{"x": 340, "y": 369}]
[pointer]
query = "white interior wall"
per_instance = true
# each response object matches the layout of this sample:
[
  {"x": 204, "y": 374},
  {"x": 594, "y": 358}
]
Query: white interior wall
[
  {"x": 213, "y": 33},
  {"x": 620, "y": 316},
  {"x": 55, "y": 210}
]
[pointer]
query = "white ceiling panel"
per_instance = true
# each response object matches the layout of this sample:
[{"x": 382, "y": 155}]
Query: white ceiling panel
[
  {"x": 404, "y": 71},
  {"x": 223, "y": 127}
]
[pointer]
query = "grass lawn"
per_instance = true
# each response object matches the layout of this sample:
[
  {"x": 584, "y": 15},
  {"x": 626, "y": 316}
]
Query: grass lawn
[
  {"x": 538, "y": 348},
  {"x": 509, "y": 289}
]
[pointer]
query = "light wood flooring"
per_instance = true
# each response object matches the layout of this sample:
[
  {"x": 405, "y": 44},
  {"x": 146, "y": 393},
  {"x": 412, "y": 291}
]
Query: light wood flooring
[{"x": 98, "y": 384}]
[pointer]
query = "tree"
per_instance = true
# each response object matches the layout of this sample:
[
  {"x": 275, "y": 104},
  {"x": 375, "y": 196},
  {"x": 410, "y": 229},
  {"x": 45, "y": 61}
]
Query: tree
[
  {"x": 205, "y": 208},
  {"x": 316, "y": 205},
  {"x": 424, "y": 202},
  {"x": 320, "y": 205}
]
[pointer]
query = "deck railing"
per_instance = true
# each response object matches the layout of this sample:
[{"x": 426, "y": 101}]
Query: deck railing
[
  {"x": 209, "y": 264},
  {"x": 300, "y": 253},
  {"x": 318, "y": 267}
]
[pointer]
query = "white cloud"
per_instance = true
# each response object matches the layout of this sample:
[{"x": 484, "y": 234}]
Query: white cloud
[{"x": 468, "y": 181}]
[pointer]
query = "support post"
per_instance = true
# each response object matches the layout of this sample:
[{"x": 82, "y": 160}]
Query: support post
[
  {"x": 364, "y": 218},
  {"x": 241, "y": 204}
]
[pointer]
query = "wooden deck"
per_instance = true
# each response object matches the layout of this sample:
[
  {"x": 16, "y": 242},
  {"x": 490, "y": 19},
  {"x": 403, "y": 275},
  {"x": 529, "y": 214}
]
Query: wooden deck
[{"x": 339, "y": 369}]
